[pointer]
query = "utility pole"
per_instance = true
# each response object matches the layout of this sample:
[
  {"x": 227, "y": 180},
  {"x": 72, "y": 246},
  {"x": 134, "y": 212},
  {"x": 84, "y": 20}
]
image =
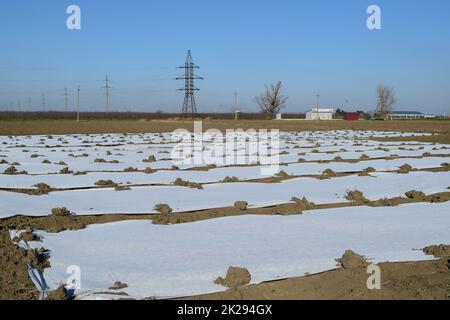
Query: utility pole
[
  {"x": 65, "y": 99},
  {"x": 43, "y": 102},
  {"x": 107, "y": 87},
  {"x": 318, "y": 103},
  {"x": 189, "y": 105},
  {"x": 236, "y": 111},
  {"x": 78, "y": 104},
  {"x": 18, "y": 105},
  {"x": 29, "y": 103}
]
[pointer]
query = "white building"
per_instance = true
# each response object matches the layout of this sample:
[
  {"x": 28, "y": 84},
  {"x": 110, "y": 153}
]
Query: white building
[{"x": 320, "y": 114}]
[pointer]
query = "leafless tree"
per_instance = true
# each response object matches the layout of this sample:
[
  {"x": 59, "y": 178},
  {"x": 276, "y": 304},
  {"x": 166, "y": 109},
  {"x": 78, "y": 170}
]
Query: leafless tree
[
  {"x": 272, "y": 100},
  {"x": 386, "y": 100}
]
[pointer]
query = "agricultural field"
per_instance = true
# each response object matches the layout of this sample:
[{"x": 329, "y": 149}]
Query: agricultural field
[{"x": 127, "y": 216}]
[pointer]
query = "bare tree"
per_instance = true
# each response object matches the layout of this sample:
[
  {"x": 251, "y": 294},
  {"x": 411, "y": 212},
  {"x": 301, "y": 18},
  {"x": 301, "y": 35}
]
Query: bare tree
[
  {"x": 386, "y": 100},
  {"x": 272, "y": 100}
]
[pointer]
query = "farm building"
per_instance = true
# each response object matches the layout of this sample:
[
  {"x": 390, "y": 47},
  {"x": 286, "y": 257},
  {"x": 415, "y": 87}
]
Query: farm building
[
  {"x": 320, "y": 114},
  {"x": 351, "y": 116},
  {"x": 408, "y": 115}
]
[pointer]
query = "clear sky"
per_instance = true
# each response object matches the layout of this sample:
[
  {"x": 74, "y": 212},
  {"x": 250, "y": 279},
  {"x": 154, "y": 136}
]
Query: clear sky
[{"x": 320, "y": 46}]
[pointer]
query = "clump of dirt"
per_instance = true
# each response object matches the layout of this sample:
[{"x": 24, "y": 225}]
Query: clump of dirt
[
  {"x": 3, "y": 161},
  {"x": 406, "y": 168},
  {"x": 338, "y": 159},
  {"x": 149, "y": 170},
  {"x": 357, "y": 197},
  {"x": 439, "y": 198},
  {"x": 204, "y": 168},
  {"x": 385, "y": 202},
  {"x": 37, "y": 258},
  {"x": 130, "y": 169},
  {"x": 27, "y": 235},
  {"x": 241, "y": 205},
  {"x": 351, "y": 260},
  {"x": 122, "y": 188},
  {"x": 416, "y": 195},
  {"x": 288, "y": 209},
  {"x": 235, "y": 278},
  {"x": 367, "y": 172},
  {"x": 163, "y": 209},
  {"x": 230, "y": 180},
  {"x": 13, "y": 171},
  {"x": 106, "y": 183},
  {"x": 181, "y": 183},
  {"x": 118, "y": 286},
  {"x": 427, "y": 154},
  {"x": 60, "y": 294},
  {"x": 101, "y": 160},
  {"x": 61, "y": 212},
  {"x": 439, "y": 252},
  {"x": 80, "y": 173},
  {"x": 295, "y": 208},
  {"x": 328, "y": 173},
  {"x": 303, "y": 203},
  {"x": 150, "y": 159},
  {"x": 282, "y": 174},
  {"x": 364, "y": 157},
  {"x": 46, "y": 161},
  {"x": 42, "y": 189},
  {"x": 65, "y": 170}
]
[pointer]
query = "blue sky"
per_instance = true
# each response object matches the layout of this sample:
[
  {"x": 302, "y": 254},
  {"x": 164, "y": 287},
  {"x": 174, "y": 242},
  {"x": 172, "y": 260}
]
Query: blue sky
[{"x": 320, "y": 46}]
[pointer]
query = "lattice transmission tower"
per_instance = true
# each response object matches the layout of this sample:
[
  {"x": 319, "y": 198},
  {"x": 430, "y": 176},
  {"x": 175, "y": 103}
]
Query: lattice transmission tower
[{"x": 189, "y": 105}]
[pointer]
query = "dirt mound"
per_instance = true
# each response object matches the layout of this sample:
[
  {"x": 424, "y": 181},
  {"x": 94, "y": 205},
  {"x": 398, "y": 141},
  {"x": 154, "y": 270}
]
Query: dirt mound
[
  {"x": 303, "y": 203},
  {"x": 385, "y": 202},
  {"x": 106, "y": 183},
  {"x": 13, "y": 171},
  {"x": 235, "y": 278},
  {"x": 357, "y": 197},
  {"x": 27, "y": 235},
  {"x": 351, "y": 260},
  {"x": 204, "y": 168},
  {"x": 42, "y": 189},
  {"x": 241, "y": 205},
  {"x": 282, "y": 174},
  {"x": 118, "y": 286},
  {"x": 288, "y": 209},
  {"x": 65, "y": 170},
  {"x": 366, "y": 172},
  {"x": 181, "y": 183},
  {"x": 163, "y": 209},
  {"x": 122, "y": 188},
  {"x": 441, "y": 251},
  {"x": 61, "y": 212},
  {"x": 130, "y": 169},
  {"x": 406, "y": 168},
  {"x": 364, "y": 157},
  {"x": 150, "y": 159},
  {"x": 230, "y": 180},
  {"x": 416, "y": 195},
  {"x": 38, "y": 258},
  {"x": 328, "y": 173},
  {"x": 149, "y": 170},
  {"x": 60, "y": 294}
]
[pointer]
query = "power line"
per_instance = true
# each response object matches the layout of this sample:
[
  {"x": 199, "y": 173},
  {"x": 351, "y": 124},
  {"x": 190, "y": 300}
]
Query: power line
[
  {"x": 43, "y": 102},
  {"x": 189, "y": 105},
  {"x": 65, "y": 99},
  {"x": 78, "y": 104},
  {"x": 107, "y": 87}
]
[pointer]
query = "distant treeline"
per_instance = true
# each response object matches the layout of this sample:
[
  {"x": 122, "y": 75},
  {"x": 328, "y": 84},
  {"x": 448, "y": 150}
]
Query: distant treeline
[{"x": 54, "y": 115}]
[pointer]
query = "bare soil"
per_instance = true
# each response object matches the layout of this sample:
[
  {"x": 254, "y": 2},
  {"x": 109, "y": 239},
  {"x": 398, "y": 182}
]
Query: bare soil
[{"x": 115, "y": 126}]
